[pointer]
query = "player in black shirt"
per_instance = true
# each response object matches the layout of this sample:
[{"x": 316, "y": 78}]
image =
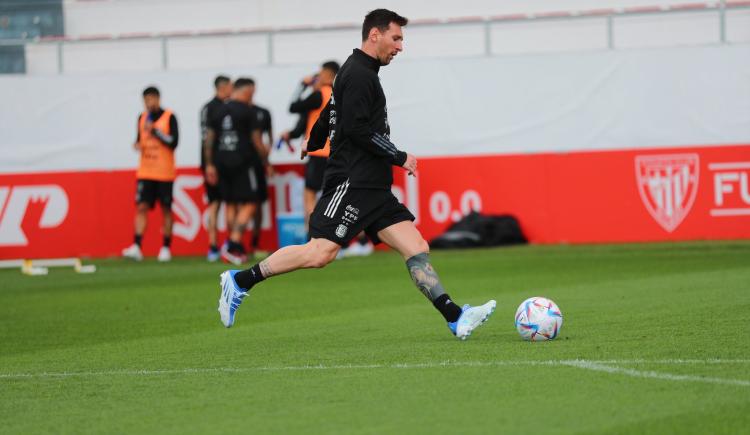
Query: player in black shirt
[
  {"x": 231, "y": 163},
  {"x": 223, "y": 86},
  {"x": 356, "y": 193},
  {"x": 263, "y": 118}
]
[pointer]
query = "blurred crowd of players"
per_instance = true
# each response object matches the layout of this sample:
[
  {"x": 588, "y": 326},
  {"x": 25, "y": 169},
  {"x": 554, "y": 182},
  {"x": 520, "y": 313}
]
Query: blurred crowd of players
[{"x": 237, "y": 139}]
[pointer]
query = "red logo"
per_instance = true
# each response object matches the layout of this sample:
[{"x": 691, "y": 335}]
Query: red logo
[{"x": 668, "y": 184}]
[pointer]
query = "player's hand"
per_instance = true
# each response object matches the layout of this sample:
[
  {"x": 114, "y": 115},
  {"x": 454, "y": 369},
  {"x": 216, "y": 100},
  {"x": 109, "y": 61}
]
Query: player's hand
[
  {"x": 303, "y": 150},
  {"x": 212, "y": 176},
  {"x": 285, "y": 136},
  {"x": 411, "y": 165},
  {"x": 269, "y": 170}
]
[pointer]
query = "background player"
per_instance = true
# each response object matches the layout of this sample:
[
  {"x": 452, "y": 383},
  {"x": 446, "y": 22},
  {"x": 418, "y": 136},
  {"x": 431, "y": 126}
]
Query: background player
[
  {"x": 311, "y": 106},
  {"x": 157, "y": 139},
  {"x": 223, "y": 87},
  {"x": 357, "y": 185},
  {"x": 234, "y": 136},
  {"x": 263, "y": 169}
]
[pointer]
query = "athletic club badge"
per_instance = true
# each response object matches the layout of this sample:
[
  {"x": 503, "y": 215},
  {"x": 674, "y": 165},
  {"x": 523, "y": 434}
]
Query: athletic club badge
[
  {"x": 341, "y": 231},
  {"x": 668, "y": 185}
]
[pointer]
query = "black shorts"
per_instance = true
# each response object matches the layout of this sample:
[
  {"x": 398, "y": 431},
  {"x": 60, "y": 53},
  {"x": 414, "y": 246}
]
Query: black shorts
[
  {"x": 212, "y": 192},
  {"x": 243, "y": 184},
  {"x": 342, "y": 212},
  {"x": 148, "y": 191},
  {"x": 315, "y": 168}
]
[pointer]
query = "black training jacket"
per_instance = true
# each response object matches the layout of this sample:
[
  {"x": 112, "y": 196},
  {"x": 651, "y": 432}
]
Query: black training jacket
[{"x": 356, "y": 120}]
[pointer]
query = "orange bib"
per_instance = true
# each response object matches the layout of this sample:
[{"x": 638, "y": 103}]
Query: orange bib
[
  {"x": 157, "y": 159},
  {"x": 312, "y": 118}
]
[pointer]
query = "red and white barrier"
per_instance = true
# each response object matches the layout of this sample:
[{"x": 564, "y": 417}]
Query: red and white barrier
[{"x": 579, "y": 197}]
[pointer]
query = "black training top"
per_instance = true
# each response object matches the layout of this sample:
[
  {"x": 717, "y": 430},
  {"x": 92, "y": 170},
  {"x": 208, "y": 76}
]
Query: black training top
[
  {"x": 234, "y": 124},
  {"x": 356, "y": 119},
  {"x": 263, "y": 118},
  {"x": 207, "y": 113}
]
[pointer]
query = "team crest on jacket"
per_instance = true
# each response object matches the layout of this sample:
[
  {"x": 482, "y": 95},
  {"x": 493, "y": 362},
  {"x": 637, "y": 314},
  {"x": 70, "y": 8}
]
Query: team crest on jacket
[
  {"x": 668, "y": 185},
  {"x": 341, "y": 231}
]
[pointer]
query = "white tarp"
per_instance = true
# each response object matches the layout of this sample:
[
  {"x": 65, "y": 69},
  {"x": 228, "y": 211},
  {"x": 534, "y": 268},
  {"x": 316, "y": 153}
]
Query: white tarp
[{"x": 512, "y": 104}]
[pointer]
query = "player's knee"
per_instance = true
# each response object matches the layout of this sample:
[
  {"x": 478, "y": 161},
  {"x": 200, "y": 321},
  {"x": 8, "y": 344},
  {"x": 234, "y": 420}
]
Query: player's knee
[
  {"x": 321, "y": 255},
  {"x": 423, "y": 246}
]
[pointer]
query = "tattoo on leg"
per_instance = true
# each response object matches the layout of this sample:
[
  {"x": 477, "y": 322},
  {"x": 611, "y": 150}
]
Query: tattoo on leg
[
  {"x": 265, "y": 269},
  {"x": 424, "y": 276}
]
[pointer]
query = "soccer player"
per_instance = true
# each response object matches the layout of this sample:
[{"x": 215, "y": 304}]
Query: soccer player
[
  {"x": 223, "y": 86},
  {"x": 263, "y": 117},
  {"x": 357, "y": 189},
  {"x": 235, "y": 146},
  {"x": 311, "y": 106},
  {"x": 157, "y": 139}
]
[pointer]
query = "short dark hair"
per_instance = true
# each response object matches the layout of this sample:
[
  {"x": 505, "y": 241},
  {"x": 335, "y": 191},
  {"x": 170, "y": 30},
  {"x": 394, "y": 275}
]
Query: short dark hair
[
  {"x": 151, "y": 90},
  {"x": 381, "y": 19},
  {"x": 220, "y": 80},
  {"x": 243, "y": 81},
  {"x": 332, "y": 66}
]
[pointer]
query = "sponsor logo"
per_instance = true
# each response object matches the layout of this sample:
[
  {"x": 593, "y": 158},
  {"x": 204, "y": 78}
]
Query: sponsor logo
[
  {"x": 14, "y": 202},
  {"x": 731, "y": 188},
  {"x": 668, "y": 185},
  {"x": 341, "y": 231}
]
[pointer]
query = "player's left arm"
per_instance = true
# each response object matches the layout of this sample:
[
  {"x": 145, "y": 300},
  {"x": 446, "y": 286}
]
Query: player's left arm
[
  {"x": 257, "y": 139},
  {"x": 173, "y": 137},
  {"x": 269, "y": 131},
  {"x": 360, "y": 98}
]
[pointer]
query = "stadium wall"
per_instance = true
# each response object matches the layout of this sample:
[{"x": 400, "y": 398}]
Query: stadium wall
[{"x": 635, "y": 145}]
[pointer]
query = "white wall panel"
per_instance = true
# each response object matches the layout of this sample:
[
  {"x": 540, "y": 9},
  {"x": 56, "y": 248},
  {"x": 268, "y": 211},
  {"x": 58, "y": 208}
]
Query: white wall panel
[
  {"x": 692, "y": 96},
  {"x": 549, "y": 36},
  {"x": 41, "y": 59},
  {"x": 314, "y": 47},
  {"x": 738, "y": 25},
  {"x": 441, "y": 41},
  {"x": 95, "y": 56},
  {"x": 684, "y": 28},
  {"x": 217, "y": 52}
]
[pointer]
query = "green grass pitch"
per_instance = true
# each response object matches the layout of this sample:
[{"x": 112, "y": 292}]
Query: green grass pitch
[{"x": 656, "y": 339}]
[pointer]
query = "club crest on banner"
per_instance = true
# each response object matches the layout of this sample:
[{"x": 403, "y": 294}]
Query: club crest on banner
[{"x": 668, "y": 185}]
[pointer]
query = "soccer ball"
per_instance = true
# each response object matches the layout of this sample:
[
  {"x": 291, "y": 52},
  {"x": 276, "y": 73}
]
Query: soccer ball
[{"x": 538, "y": 319}]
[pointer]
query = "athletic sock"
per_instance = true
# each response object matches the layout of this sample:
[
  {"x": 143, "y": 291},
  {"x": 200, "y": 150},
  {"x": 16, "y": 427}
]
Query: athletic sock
[
  {"x": 363, "y": 240},
  {"x": 447, "y": 308},
  {"x": 138, "y": 239},
  {"x": 249, "y": 277},
  {"x": 213, "y": 248},
  {"x": 167, "y": 241}
]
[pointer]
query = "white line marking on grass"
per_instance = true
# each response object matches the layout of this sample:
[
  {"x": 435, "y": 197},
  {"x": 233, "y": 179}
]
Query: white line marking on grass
[
  {"x": 606, "y": 366},
  {"x": 599, "y": 367}
]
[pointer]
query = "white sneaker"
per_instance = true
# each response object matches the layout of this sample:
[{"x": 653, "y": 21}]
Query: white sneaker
[
  {"x": 366, "y": 249},
  {"x": 471, "y": 318},
  {"x": 133, "y": 252},
  {"x": 358, "y": 250},
  {"x": 164, "y": 254}
]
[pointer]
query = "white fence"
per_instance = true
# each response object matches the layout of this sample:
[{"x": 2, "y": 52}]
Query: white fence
[{"x": 724, "y": 22}]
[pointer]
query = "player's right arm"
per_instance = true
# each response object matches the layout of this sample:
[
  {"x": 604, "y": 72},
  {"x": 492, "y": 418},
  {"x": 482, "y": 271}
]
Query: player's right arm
[
  {"x": 312, "y": 102},
  {"x": 137, "y": 143}
]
